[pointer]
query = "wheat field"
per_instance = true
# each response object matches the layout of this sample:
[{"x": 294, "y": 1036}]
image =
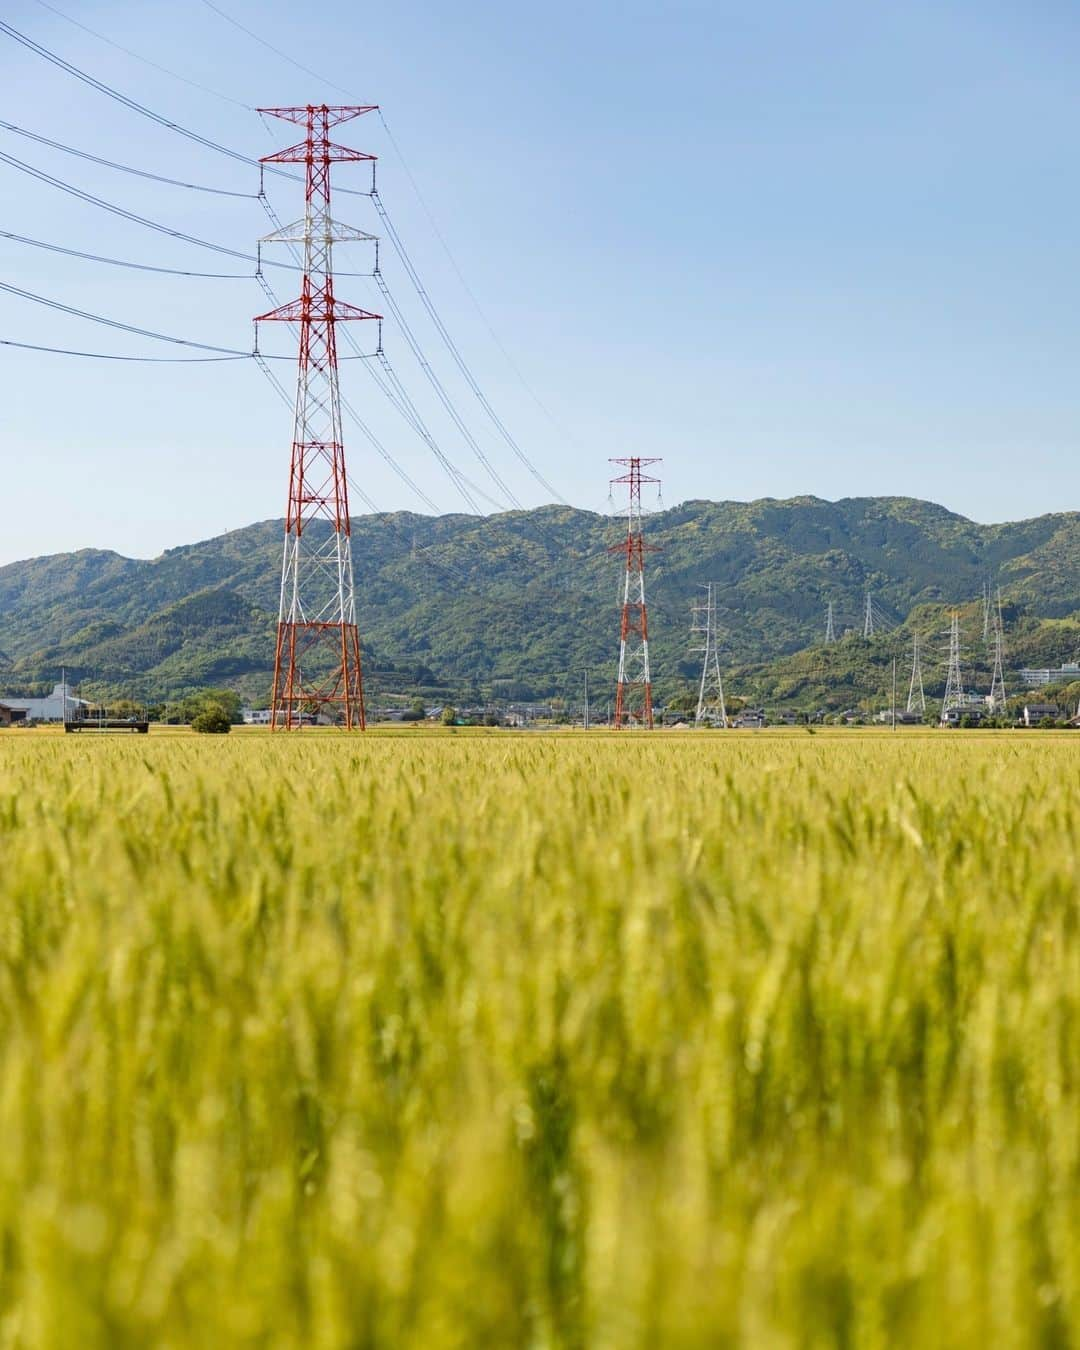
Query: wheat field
[{"x": 545, "y": 1041}]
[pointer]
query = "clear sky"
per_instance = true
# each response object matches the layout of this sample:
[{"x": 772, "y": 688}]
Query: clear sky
[{"x": 822, "y": 248}]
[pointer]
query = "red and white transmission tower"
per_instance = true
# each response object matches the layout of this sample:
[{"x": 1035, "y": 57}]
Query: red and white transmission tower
[
  {"x": 633, "y": 698},
  {"x": 317, "y": 657}
]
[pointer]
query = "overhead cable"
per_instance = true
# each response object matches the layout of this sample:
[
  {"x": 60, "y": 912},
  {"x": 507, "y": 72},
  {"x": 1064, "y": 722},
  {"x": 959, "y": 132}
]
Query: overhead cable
[
  {"x": 135, "y": 106},
  {"x": 452, "y": 348},
  {"x": 123, "y": 168},
  {"x": 136, "y": 219},
  {"x": 365, "y": 430},
  {"x": 140, "y": 332},
  {"x": 449, "y": 467},
  {"x": 115, "y": 323},
  {"x": 277, "y": 50},
  {"x": 440, "y": 390},
  {"x": 121, "y": 262},
  {"x": 110, "y": 356},
  {"x": 154, "y": 65},
  {"x": 465, "y": 284},
  {"x": 133, "y": 216}
]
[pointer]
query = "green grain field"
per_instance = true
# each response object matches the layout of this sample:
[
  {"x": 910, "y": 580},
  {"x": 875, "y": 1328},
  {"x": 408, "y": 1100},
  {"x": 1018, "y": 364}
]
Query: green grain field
[{"x": 439, "y": 1041}]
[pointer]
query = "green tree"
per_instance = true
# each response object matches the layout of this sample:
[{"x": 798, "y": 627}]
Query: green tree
[{"x": 213, "y": 720}]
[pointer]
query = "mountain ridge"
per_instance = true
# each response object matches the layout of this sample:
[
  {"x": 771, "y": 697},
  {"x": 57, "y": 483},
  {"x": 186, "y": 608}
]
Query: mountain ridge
[{"x": 517, "y": 604}]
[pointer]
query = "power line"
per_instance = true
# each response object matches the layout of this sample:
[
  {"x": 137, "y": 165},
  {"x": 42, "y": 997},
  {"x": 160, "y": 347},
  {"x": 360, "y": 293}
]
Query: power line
[
  {"x": 440, "y": 390},
  {"x": 154, "y": 65},
  {"x": 102, "y": 88},
  {"x": 158, "y": 118},
  {"x": 121, "y": 262},
  {"x": 414, "y": 420},
  {"x": 465, "y": 285},
  {"x": 115, "y": 323},
  {"x": 133, "y": 328},
  {"x": 110, "y": 356},
  {"x": 452, "y": 348},
  {"x": 365, "y": 430},
  {"x": 122, "y": 168},
  {"x": 135, "y": 106},
  {"x": 255, "y": 37},
  {"x": 123, "y": 212}
]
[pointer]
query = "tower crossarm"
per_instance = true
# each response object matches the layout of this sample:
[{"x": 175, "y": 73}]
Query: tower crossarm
[
  {"x": 333, "y": 116},
  {"x": 319, "y": 308}
]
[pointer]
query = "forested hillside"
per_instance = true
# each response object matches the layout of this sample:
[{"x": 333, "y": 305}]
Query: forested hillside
[{"x": 517, "y": 605}]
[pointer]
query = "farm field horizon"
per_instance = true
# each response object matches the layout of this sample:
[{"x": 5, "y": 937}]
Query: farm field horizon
[{"x": 453, "y": 1038}]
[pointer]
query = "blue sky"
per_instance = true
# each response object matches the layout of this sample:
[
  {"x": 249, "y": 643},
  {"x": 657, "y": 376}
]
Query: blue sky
[{"x": 792, "y": 248}]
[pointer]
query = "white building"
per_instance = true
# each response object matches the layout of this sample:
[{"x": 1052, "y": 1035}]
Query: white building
[
  {"x": 1065, "y": 674},
  {"x": 256, "y": 717},
  {"x": 60, "y": 706}
]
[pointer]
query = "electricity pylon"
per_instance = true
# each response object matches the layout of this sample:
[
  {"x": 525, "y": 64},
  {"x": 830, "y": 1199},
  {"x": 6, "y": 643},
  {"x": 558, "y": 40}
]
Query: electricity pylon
[
  {"x": 868, "y": 617},
  {"x": 987, "y": 605},
  {"x": 830, "y": 627},
  {"x": 916, "y": 699},
  {"x": 633, "y": 695},
  {"x": 997, "y": 684},
  {"x": 317, "y": 655},
  {"x": 954, "y": 685},
  {"x": 710, "y": 705}
]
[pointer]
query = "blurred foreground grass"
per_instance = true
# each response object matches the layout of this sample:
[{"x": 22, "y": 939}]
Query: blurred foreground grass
[{"x": 539, "y": 1041}]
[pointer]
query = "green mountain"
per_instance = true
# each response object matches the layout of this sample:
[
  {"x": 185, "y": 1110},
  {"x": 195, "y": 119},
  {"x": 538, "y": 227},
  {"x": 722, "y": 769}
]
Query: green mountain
[{"x": 517, "y": 605}]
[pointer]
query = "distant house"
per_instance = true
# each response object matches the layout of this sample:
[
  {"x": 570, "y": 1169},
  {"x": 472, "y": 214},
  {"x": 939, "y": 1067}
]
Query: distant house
[
  {"x": 256, "y": 717},
  {"x": 1065, "y": 674},
  {"x": 1036, "y": 713},
  {"x": 60, "y": 706},
  {"x": 9, "y": 716},
  {"x": 752, "y": 719},
  {"x": 975, "y": 711}
]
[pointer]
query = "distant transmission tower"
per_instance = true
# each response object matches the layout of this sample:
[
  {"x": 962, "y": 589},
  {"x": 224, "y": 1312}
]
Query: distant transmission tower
[
  {"x": 997, "y": 684},
  {"x": 633, "y": 696},
  {"x": 710, "y": 704},
  {"x": 317, "y": 656},
  {"x": 868, "y": 617},
  {"x": 916, "y": 699},
  {"x": 830, "y": 627},
  {"x": 987, "y": 605},
  {"x": 954, "y": 685}
]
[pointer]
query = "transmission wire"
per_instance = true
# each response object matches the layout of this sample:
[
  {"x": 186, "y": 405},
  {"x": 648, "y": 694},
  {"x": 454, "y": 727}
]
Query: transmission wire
[
  {"x": 123, "y": 168},
  {"x": 134, "y": 106},
  {"x": 194, "y": 84}
]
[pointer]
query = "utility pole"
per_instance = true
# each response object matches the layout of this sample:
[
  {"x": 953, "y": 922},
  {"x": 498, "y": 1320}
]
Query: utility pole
[
  {"x": 868, "y": 617},
  {"x": 586, "y": 718},
  {"x": 954, "y": 685},
  {"x": 710, "y": 704},
  {"x": 830, "y": 628},
  {"x": 633, "y": 695},
  {"x": 894, "y": 693},
  {"x": 317, "y": 654},
  {"x": 916, "y": 699}
]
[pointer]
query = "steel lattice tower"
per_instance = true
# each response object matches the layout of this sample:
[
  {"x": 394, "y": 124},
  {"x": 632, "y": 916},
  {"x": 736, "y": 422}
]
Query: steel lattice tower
[
  {"x": 317, "y": 656},
  {"x": 633, "y": 697},
  {"x": 868, "y": 617},
  {"x": 916, "y": 699},
  {"x": 830, "y": 627},
  {"x": 987, "y": 604},
  {"x": 710, "y": 704},
  {"x": 954, "y": 685},
  {"x": 997, "y": 683}
]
